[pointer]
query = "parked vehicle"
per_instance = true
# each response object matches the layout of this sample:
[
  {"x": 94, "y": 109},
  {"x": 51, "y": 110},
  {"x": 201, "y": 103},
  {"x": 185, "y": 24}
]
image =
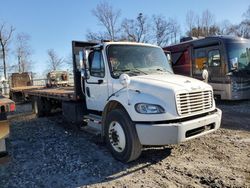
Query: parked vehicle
[
  {"x": 130, "y": 93},
  {"x": 6, "y": 106},
  {"x": 223, "y": 60},
  {"x": 57, "y": 78},
  {"x": 19, "y": 82}
]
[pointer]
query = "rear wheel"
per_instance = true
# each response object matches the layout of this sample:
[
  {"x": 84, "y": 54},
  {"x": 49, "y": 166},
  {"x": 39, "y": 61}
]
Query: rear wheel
[
  {"x": 121, "y": 136},
  {"x": 41, "y": 106},
  {"x": 3, "y": 116}
]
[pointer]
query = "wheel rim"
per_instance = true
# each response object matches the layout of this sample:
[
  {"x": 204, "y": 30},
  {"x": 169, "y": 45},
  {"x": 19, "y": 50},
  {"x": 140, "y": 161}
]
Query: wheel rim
[{"x": 117, "y": 136}]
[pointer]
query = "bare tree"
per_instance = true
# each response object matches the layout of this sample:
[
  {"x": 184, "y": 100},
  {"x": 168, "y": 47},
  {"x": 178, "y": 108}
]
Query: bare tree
[
  {"x": 175, "y": 30},
  {"x": 94, "y": 37},
  {"x": 23, "y": 52},
  {"x": 245, "y": 24},
  {"x": 161, "y": 30},
  {"x": 128, "y": 27},
  {"x": 136, "y": 29},
  {"x": 207, "y": 21},
  {"x": 190, "y": 22},
  {"x": 225, "y": 27},
  {"x": 243, "y": 29},
  {"x": 55, "y": 62},
  {"x": 141, "y": 30},
  {"x": 108, "y": 18},
  {"x": 198, "y": 27},
  {"x": 5, "y": 37},
  {"x": 68, "y": 61},
  {"x": 246, "y": 15},
  {"x": 201, "y": 25}
]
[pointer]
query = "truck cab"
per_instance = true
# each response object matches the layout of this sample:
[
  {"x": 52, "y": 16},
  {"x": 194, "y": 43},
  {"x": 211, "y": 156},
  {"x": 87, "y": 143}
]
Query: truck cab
[{"x": 131, "y": 92}]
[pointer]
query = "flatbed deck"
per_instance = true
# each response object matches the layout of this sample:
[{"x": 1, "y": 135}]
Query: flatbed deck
[
  {"x": 23, "y": 88},
  {"x": 62, "y": 93}
]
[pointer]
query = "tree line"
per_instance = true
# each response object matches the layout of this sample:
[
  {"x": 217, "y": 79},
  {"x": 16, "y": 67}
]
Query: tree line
[
  {"x": 160, "y": 30},
  {"x": 22, "y": 52},
  {"x": 156, "y": 29}
]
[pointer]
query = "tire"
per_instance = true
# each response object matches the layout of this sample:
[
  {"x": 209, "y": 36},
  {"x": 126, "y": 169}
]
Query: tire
[
  {"x": 3, "y": 116},
  {"x": 46, "y": 107},
  {"x": 40, "y": 110},
  {"x": 121, "y": 136},
  {"x": 39, "y": 107}
]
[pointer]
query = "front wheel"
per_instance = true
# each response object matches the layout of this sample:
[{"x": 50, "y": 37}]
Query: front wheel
[{"x": 121, "y": 136}]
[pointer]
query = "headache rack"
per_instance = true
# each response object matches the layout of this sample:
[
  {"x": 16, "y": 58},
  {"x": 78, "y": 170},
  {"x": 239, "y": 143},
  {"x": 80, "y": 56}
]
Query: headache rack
[{"x": 194, "y": 102}]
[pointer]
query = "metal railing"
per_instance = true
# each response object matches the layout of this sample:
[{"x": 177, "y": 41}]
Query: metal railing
[{"x": 39, "y": 82}]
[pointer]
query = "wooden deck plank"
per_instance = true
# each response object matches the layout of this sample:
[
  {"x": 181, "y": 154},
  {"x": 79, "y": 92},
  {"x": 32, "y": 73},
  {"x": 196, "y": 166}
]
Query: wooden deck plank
[
  {"x": 63, "y": 93},
  {"x": 26, "y": 88}
]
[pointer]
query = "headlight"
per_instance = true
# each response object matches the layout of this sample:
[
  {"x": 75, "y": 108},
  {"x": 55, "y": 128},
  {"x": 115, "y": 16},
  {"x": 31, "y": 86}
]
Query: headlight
[{"x": 144, "y": 108}]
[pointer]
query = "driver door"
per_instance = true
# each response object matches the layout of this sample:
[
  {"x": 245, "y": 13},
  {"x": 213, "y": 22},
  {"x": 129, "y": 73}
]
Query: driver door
[
  {"x": 96, "y": 87},
  {"x": 215, "y": 65}
]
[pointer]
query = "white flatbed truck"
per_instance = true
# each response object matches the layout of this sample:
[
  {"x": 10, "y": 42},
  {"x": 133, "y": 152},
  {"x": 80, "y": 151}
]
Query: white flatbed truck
[{"x": 130, "y": 91}]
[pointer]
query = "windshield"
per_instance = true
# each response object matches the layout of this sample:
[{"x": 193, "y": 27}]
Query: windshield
[
  {"x": 136, "y": 60},
  {"x": 240, "y": 53}
]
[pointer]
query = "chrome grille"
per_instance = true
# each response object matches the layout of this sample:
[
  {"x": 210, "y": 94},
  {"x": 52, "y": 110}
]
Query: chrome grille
[{"x": 194, "y": 102}]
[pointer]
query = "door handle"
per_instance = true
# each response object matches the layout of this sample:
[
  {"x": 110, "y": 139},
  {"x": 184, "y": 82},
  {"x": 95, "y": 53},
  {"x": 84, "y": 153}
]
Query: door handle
[
  {"x": 88, "y": 91},
  {"x": 100, "y": 81}
]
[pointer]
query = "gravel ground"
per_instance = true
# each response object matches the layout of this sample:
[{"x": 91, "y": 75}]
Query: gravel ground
[{"x": 45, "y": 152}]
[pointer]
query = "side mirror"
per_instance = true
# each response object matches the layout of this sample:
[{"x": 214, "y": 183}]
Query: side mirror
[
  {"x": 168, "y": 55},
  {"x": 85, "y": 74},
  {"x": 234, "y": 63},
  {"x": 124, "y": 80},
  {"x": 169, "y": 58},
  {"x": 205, "y": 75}
]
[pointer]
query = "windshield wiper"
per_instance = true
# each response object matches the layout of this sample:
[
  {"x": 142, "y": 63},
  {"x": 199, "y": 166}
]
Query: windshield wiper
[
  {"x": 140, "y": 71},
  {"x": 134, "y": 70},
  {"x": 163, "y": 70}
]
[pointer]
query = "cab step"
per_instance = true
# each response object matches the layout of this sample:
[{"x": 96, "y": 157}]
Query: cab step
[
  {"x": 94, "y": 118},
  {"x": 94, "y": 123}
]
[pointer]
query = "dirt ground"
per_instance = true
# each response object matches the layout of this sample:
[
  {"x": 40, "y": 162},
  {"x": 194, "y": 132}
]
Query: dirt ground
[{"x": 45, "y": 152}]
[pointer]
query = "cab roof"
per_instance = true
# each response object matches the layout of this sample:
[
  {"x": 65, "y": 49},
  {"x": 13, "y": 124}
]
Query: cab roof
[{"x": 127, "y": 43}]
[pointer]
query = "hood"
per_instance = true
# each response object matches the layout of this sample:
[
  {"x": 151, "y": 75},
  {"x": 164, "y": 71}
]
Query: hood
[
  {"x": 172, "y": 82},
  {"x": 160, "y": 89}
]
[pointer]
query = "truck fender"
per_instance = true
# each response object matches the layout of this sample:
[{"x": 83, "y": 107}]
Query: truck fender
[
  {"x": 121, "y": 101},
  {"x": 111, "y": 104}
]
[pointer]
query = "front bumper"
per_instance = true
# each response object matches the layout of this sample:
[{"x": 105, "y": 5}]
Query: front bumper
[{"x": 174, "y": 133}]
